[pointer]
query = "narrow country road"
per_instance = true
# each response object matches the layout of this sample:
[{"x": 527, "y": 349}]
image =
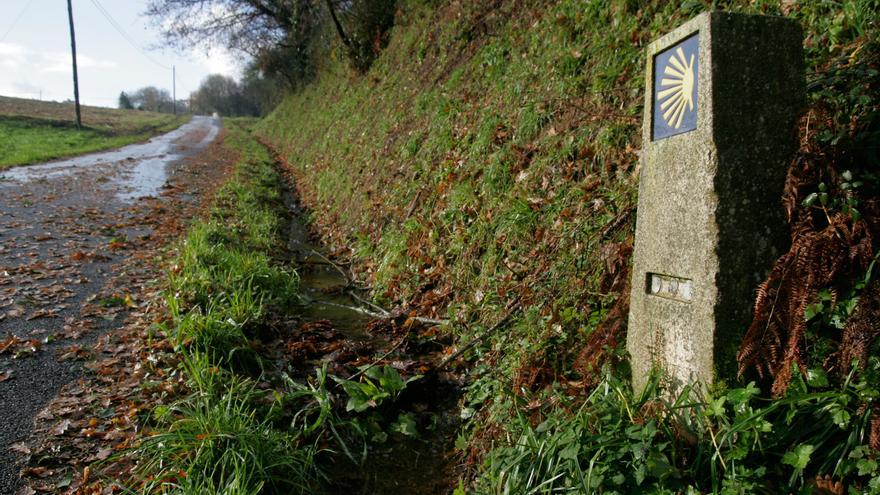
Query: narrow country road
[{"x": 66, "y": 228}]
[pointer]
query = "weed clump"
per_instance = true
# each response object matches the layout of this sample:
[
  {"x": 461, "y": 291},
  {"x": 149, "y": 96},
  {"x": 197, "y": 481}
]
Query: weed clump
[{"x": 223, "y": 435}]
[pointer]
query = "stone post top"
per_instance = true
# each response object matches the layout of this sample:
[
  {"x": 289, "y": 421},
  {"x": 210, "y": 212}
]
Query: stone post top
[
  {"x": 706, "y": 19},
  {"x": 713, "y": 73}
]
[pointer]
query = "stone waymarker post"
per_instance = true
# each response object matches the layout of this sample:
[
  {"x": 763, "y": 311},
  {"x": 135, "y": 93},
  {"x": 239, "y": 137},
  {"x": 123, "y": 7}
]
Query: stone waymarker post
[{"x": 724, "y": 92}]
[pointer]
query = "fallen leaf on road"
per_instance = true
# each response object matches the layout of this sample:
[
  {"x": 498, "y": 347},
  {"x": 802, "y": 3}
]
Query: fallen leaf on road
[
  {"x": 8, "y": 342},
  {"x": 61, "y": 428},
  {"x": 28, "y": 347},
  {"x": 103, "y": 454},
  {"x": 39, "y": 472},
  {"x": 5, "y": 375},
  {"x": 74, "y": 352},
  {"x": 129, "y": 301},
  {"x": 21, "y": 448},
  {"x": 42, "y": 313}
]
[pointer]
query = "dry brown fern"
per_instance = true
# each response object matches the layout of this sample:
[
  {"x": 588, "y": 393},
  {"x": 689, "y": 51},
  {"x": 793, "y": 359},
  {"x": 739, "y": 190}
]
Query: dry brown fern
[
  {"x": 828, "y": 251},
  {"x": 874, "y": 435},
  {"x": 860, "y": 332},
  {"x": 612, "y": 330}
]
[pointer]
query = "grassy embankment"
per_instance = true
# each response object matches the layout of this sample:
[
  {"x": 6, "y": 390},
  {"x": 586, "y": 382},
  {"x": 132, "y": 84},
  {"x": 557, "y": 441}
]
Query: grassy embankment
[
  {"x": 242, "y": 425},
  {"x": 487, "y": 165},
  {"x": 36, "y": 131}
]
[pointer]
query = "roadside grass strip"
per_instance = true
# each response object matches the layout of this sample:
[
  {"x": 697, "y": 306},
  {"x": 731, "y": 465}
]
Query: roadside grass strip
[
  {"x": 227, "y": 435},
  {"x": 244, "y": 425}
]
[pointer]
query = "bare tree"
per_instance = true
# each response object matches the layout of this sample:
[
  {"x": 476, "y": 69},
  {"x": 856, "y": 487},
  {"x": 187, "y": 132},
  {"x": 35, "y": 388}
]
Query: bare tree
[
  {"x": 251, "y": 26},
  {"x": 278, "y": 34},
  {"x": 224, "y": 95}
]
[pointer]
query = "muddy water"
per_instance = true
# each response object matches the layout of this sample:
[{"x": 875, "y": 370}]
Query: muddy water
[
  {"x": 402, "y": 465},
  {"x": 322, "y": 284}
]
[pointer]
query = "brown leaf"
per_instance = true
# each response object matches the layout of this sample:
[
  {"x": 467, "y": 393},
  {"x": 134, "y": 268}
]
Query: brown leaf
[
  {"x": 42, "y": 313},
  {"x": 21, "y": 448},
  {"x": 61, "y": 428},
  {"x": 5, "y": 375},
  {"x": 8, "y": 342}
]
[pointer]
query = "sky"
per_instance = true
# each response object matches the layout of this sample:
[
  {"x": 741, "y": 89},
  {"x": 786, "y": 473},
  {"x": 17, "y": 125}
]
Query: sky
[{"x": 35, "y": 57}]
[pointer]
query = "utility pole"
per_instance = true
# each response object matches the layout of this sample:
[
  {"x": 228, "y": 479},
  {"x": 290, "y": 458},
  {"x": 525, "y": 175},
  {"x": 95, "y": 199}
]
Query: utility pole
[
  {"x": 73, "y": 55},
  {"x": 174, "y": 87}
]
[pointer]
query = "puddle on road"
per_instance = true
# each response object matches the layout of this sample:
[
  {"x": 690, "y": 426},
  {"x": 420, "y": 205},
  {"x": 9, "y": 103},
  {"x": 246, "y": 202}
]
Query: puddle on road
[{"x": 141, "y": 169}]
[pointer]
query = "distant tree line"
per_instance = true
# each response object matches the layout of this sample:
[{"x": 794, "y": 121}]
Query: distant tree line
[
  {"x": 253, "y": 96},
  {"x": 256, "y": 95},
  {"x": 151, "y": 99}
]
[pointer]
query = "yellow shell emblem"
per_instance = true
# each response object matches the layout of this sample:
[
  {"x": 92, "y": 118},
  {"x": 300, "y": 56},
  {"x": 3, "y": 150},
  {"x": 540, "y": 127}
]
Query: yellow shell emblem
[{"x": 678, "y": 95}]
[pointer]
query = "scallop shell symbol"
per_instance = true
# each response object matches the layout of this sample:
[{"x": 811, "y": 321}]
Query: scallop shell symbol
[{"x": 678, "y": 96}]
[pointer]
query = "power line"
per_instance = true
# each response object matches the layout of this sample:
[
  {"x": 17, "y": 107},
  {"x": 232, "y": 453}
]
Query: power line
[
  {"x": 125, "y": 35},
  {"x": 15, "y": 22}
]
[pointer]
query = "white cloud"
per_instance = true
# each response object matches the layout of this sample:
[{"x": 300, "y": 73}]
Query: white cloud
[
  {"x": 60, "y": 62},
  {"x": 12, "y": 56},
  {"x": 23, "y": 60},
  {"x": 218, "y": 61}
]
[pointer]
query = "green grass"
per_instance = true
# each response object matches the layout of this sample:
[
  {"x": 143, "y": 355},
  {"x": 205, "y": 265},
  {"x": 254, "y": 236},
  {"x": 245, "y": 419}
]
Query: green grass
[
  {"x": 39, "y": 131},
  {"x": 734, "y": 442},
  {"x": 220, "y": 441},
  {"x": 225, "y": 436},
  {"x": 243, "y": 426},
  {"x": 485, "y": 154}
]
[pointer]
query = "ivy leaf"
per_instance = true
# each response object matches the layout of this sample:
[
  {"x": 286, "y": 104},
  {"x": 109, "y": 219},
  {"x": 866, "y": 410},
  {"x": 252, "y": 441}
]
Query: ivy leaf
[
  {"x": 740, "y": 397},
  {"x": 840, "y": 417},
  {"x": 716, "y": 408},
  {"x": 406, "y": 425},
  {"x": 799, "y": 457},
  {"x": 866, "y": 466},
  {"x": 810, "y": 200},
  {"x": 812, "y": 310},
  {"x": 816, "y": 377}
]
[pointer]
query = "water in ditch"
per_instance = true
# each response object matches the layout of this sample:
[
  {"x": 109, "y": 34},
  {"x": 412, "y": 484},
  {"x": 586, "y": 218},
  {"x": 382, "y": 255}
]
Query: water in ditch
[{"x": 422, "y": 465}]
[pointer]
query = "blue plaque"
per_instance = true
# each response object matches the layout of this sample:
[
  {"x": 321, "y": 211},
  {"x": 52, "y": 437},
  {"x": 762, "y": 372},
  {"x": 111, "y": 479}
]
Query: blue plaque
[{"x": 676, "y": 78}]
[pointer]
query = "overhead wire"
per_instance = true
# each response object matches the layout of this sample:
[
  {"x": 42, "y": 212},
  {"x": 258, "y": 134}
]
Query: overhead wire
[
  {"x": 125, "y": 35},
  {"x": 15, "y": 22}
]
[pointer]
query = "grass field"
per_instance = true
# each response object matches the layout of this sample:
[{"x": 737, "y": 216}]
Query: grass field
[{"x": 35, "y": 131}]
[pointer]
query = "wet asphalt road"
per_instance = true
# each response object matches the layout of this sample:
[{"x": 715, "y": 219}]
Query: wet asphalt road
[{"x": 58, "y": 225}]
